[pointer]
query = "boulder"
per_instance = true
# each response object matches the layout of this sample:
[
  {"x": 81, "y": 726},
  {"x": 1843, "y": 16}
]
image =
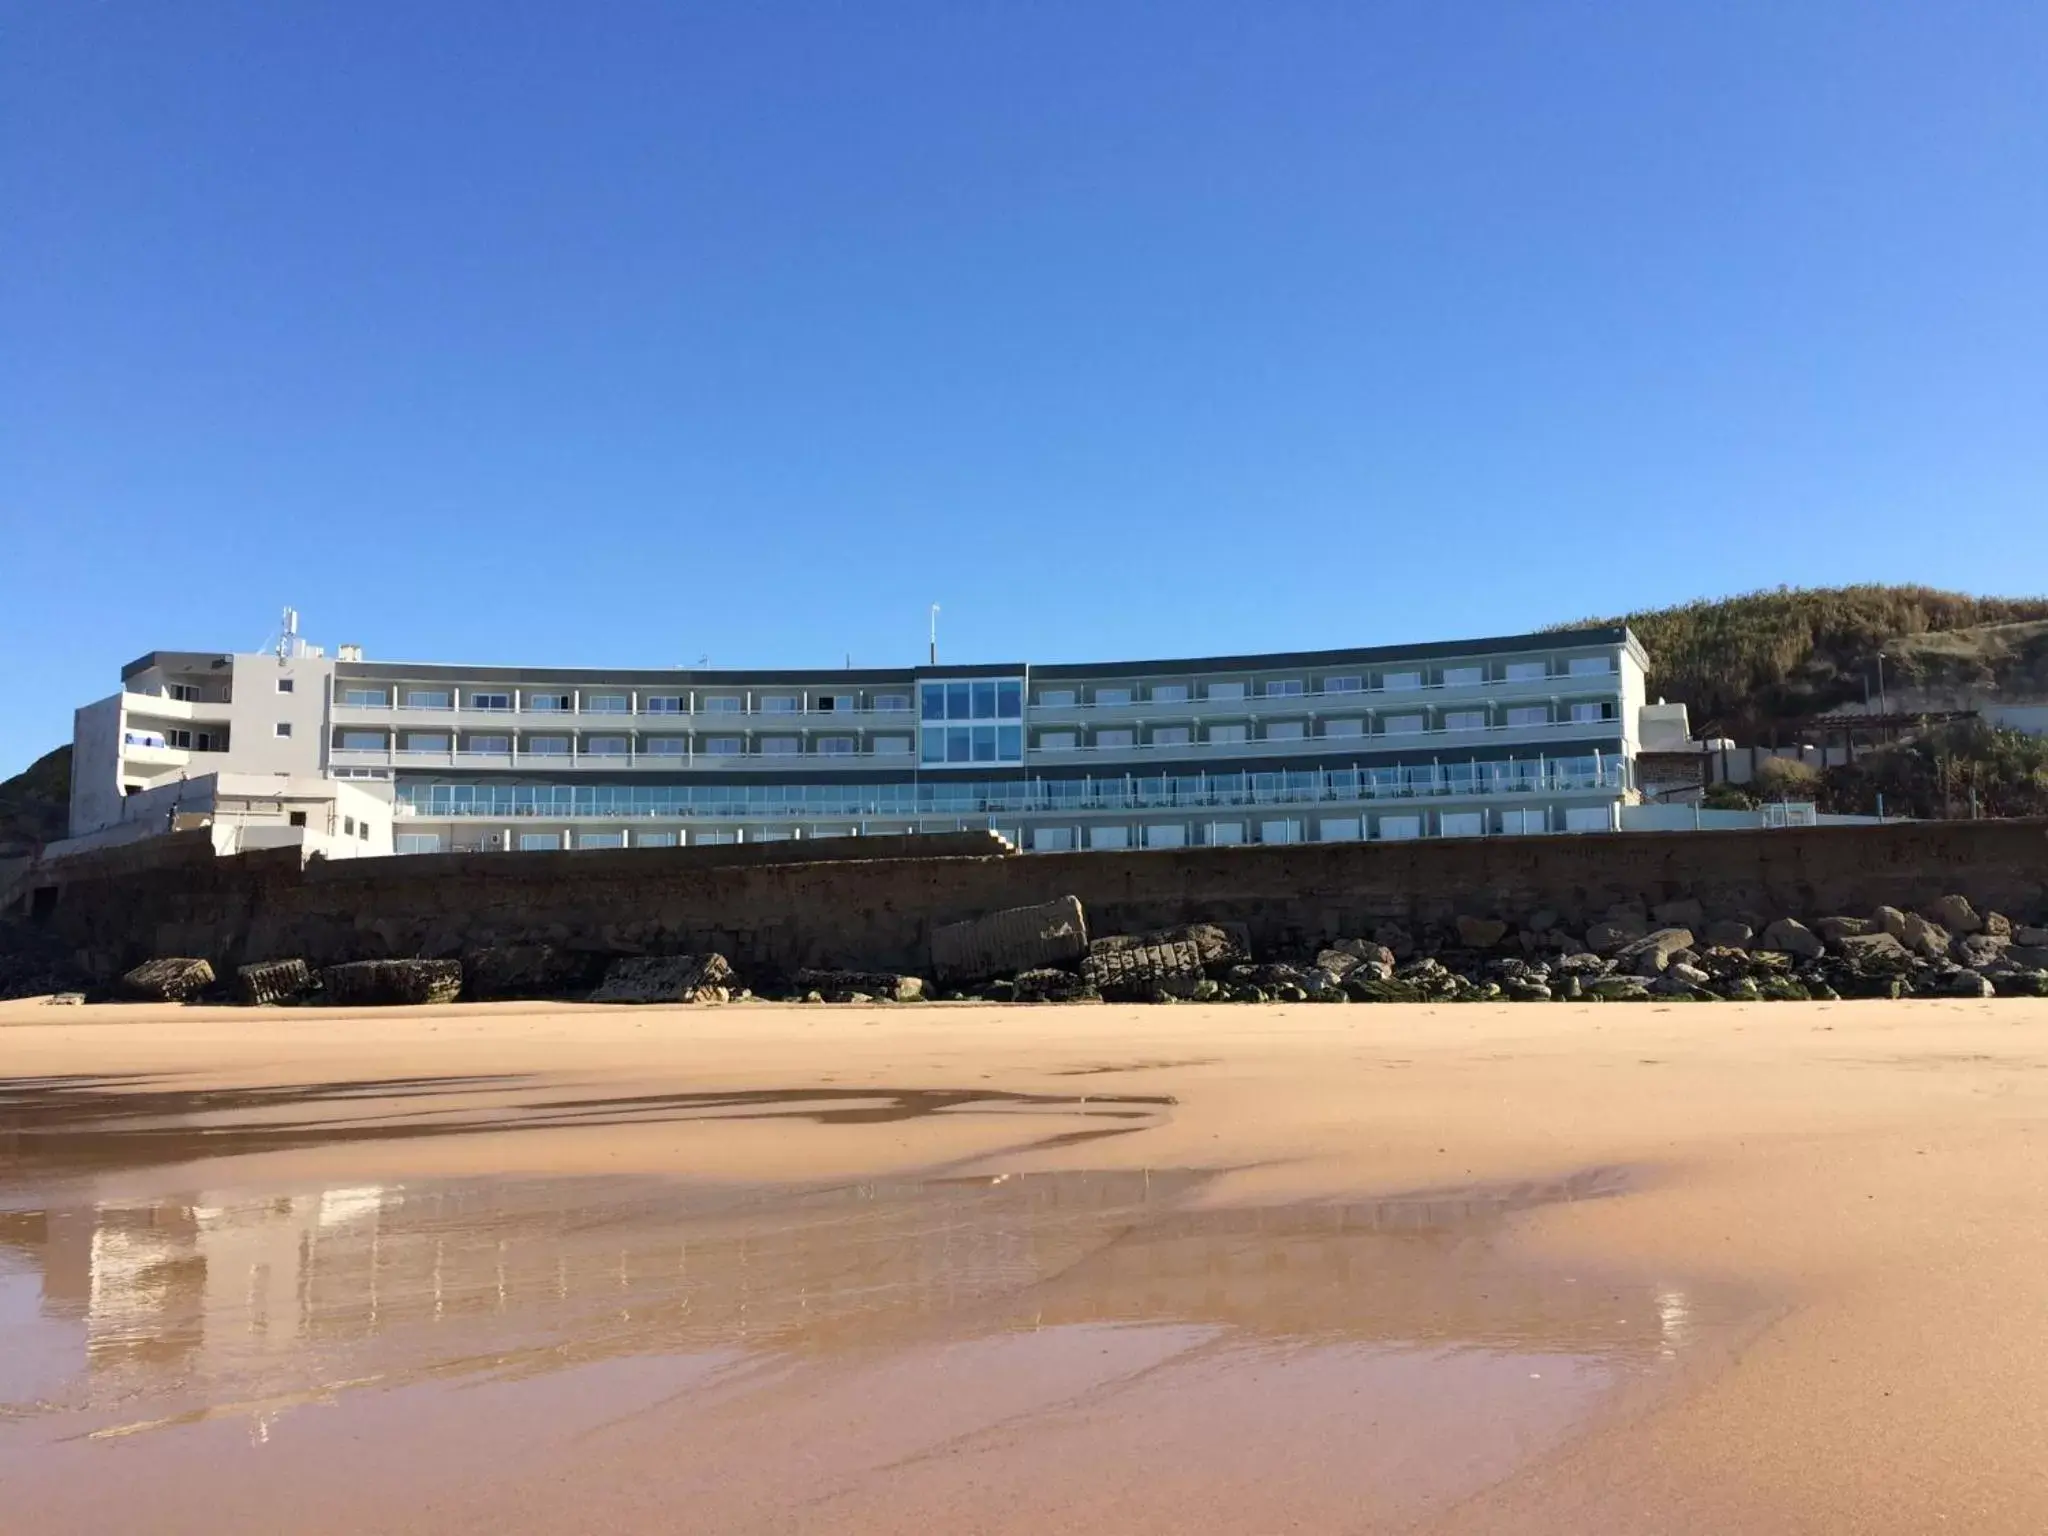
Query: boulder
[
  {"x": 64, "y": 1000},
  {"x": 1683, "y": 913},
  {"x": 392, "y": 983},
  {"x": 1480, "y": 932},
  {"x": 1966, "y": 983},
  {"x": 2032, "y": 983},
  {"x": 1956, "y": 915},
  {"x": 1926, "y": 939},
  {"x": 1891, "y": 920},
  {"x": 844, "y": 986},
  {"x": 1998, "y": 925},
  {"x": 273, "y": 981},
  {"x": 2032, "y": 938},
  {"x": 1793, "y": 938},
  {"x": 1835, "y": 929},
  {"x": 1049, "y": 984},
  {"x": 1584, "y": 963},
  {"x": 2028, "y": 957},
  {"x": 1131, "y": 970},
  {"x": 1606, "y": 938},
  {"x": 1977, "y": 950},
  {"x": 1375, "y": 989},
  {"x": 1337, "y": 963},
  {"x": 1523, "y": 989},
  {"x": 1728, "y": 934},
  {"x": 1052, "y": 933},
  {"x": 666, "y": 979},
  {"x": 1651, "y": 954},
  {"x": 1619, "y": 989},
  {"x": 1876, "y": 953},
  {"x": 1396, "y": 939},
  {"x": 169, "y": 980}
]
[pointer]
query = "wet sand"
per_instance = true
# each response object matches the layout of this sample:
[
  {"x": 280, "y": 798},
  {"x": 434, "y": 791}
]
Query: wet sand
[{"x": 1094, "y": 1269}]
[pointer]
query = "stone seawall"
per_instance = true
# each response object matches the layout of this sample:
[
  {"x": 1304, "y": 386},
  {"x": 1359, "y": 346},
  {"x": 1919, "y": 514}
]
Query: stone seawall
[{"x": 774, "y": 914}]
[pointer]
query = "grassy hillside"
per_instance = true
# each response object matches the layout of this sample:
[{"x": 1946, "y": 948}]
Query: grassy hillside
[
  {"x": 1743, "y": 665},
  {"x": 35, "y": 804}
]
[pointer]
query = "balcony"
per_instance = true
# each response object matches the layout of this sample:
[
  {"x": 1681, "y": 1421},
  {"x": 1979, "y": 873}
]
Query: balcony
[
  {"x": 183, "y": 711},
  {"x": 1434, "y": 695},
  {"x": 1326, "y": 747},
  {"x": 613, "y": 762}
]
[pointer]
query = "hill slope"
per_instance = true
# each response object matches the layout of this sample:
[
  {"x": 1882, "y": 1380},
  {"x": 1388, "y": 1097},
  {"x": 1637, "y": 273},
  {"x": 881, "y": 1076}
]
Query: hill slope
[
  {"x": 35, "y": 805},
  {"x": 1743, "y": 665}
]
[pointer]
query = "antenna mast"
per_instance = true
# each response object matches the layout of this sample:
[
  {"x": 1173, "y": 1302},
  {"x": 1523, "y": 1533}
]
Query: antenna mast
[{"x": 935, "y": 634}]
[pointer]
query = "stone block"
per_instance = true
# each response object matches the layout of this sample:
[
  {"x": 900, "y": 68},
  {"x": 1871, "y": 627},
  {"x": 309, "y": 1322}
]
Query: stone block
[
  {"x": 1728, "y": 934},
  {"x": 1928, "y": 940},
  {"x": 527, "y": 970},
  {"x": 1051, "y": 933},
  {"x": 843, "y": 986},
  {"x": 1649, "y": 955},
  {"x": 666, "y": 979},
  {"x": 1835, "y": 929},
  {"x": 392, "y": 983},
  {"x": 168, "y": 980},
  {"x": 1876, "y": 953},
  {"x": 1123, "y": 971},
  {"x": 1049, "y": 984},
  {"x": 1977, "y": 950},
  {"x": 273, "y": 981},
  {"x": 1956, "y": 915}
]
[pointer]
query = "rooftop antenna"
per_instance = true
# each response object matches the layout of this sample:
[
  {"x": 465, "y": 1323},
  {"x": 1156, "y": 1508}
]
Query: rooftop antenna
[
  {"x": 288, "y": 636},
  {"x": 935, "y": 634}
]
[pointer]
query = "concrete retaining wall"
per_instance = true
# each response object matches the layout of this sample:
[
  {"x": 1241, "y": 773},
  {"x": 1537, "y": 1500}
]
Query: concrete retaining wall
[{"x": 771, "y": 918}]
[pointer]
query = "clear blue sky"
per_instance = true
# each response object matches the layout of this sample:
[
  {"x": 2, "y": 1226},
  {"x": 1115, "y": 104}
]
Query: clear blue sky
[{"x": 637, "y": 333}]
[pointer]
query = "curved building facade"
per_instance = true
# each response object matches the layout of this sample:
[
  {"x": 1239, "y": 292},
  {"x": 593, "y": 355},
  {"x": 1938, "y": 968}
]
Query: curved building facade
[{"x": 1504, "y": 736}]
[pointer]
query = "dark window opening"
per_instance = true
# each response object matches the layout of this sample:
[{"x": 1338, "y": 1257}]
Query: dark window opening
[{"x": 297, "y": 818}]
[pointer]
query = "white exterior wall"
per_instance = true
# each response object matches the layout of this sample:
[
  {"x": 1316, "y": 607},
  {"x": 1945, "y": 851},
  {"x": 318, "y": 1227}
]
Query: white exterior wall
[
  {"x": 257, "y": 709},
  {"x": 96, "y": 766}
]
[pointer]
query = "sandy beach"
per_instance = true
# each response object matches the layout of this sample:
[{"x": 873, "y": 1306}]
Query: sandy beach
[{"x": 1672, "y": 1268}]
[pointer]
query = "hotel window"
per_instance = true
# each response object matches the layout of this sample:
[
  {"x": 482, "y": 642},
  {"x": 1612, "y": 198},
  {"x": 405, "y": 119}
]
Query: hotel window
[
  {"x": 1283, "y": 687},
  {"x": 365, "y": 698},
  {"x": 1343, "y": 684},
  {"x": 1343, "y": 727},
  {"x": 1113, "y": 739},
  {"x": 1112, "y": 696},
  {"x": 1339, "y": 829},
  {"x": 348, "y": 826},
  {"x": 1527, "y": 671},
  {"x": 662, "y": 704},
  {"x": 418, "y": 842},
  {"x": 1522, "y": 823},
  {"x": 891, "y": 703},
  {"x": 1166, "y": 835},
  {"x": 1285, "y": 730},
  {"x": 284, "y": 685},
  {"x": 778, "y": 703},
  {"x": 283, "y": 728},
  {"x": 723, "y": 704},
  {"x": 1169, "y": 693},
  {"x": 1403, "y": 725},
  {"x": 1225, "y": 833},
  {"x": 1588, "y": 818},
  {"x": 1463, "y": 677},
  {"x": 182, "y": 691},
  {"x": 654, "y": 839},
  {"x": 1226, "y": 733},
  {"x": 1400, "y": 828},
  {"x": 1280, "y": 831},
  {"x": 426, "y": 698},
  {"x": 1056, "y": 741},
  {"x": 667, "y": 746},
  {"x": 1109, "y": 837},
  {"x": 1463, "y": 823},
  {"x": 832, "y": 703},
  {"x": 425, "y": 741},
  {"x": 723, "y": 746},
  {"x": 490, "y": 701},
  {"x": 1465, "y": 720},
  {"x": 1224, "y": 691},
  {"x": 1395, "y": 682},
  {"x": 363, "y": 741},
  {"x": 1170, "y": 736},
  {"x": 600, "y": 840},
  {"x": 295, "y": 818},
  {"x": 892, "y": 744},
  {"x": 1584, "y": 713},
  {"x": 973, "y": 699},
  {"x": 606, "y": 746},
  {"x": 836, "y": 746},
  {"x": 1590, "y": 666},
  {"x": 1052, "y": 839},
  {"x": 1529, "y": 714},
  {"x": 548, "y": 746},
  {"x": 781, "y": 746},
  {"x": 606, "y": 704},
  {"x": 714, "y": 839},
  {"x": 537, "y": 842},
  {"x": 548, "y": 703},
  {"x": 490, "y": 744},
  {"x": 1055, "y": 698}
]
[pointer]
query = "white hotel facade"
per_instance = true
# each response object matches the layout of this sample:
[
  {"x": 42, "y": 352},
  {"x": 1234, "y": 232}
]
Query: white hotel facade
[{"x": 1509, "y": 736}]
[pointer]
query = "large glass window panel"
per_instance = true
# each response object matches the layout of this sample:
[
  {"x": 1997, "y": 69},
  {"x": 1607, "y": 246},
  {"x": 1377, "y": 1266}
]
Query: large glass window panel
[
  {"x": 959, "y": 701},
  {"x": 606, "y": 703},
  {"x": 934, "y": 749},
  {"x": 1112, "y": 696},
  {"x": 365, "y": 698},
  {"x": 1010, "y": 743},
  {"x": 1009, "y": 700},
  {"x": 984, "y": 700},
  {"x": 1169, "y": 693},
  {"x": 959, "y": 744}
]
